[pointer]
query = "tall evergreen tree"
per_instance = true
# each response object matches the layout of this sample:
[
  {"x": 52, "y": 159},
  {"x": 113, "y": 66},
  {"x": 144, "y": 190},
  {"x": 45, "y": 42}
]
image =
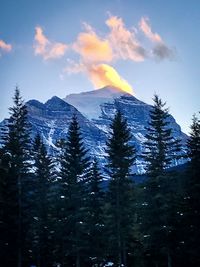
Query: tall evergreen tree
[
  {"x": 121, "y": 156},
  {"x": 194, "y": 147},
  {"x": 160, "y": 147},
  {"x": 40, "y": 233},
  {"x": 4, "y": 167},
  {"x": 160, "y": 150},
  {"x": 16, "y": 147},
  {"x": 74, "y": 171},
  {"x": 192, "y": 199},
  {"x": 95, "y": 221}
]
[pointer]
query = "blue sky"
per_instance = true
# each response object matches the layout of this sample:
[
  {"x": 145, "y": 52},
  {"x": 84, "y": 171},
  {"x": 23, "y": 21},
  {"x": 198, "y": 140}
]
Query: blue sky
[{"x": 43, "y": 66}]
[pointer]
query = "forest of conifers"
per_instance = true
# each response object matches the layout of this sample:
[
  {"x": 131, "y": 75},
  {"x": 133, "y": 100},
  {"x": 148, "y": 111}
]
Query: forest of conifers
[{"x": 57, "y": 211}]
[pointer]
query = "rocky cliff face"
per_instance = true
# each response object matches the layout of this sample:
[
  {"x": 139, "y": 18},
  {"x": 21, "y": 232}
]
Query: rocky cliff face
[
  {"x": 51, "y": 120},
  {"x": 106, "y": 101},
  {"x": 94, "y": 111}
]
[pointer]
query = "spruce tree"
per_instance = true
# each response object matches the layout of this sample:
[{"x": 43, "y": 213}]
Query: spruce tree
[
  {"x": 95, "y": 221},
  {"x": 4, "y": 195},
  {"x": 194, "y": 146},
  {"x": 192, "y": 209},
  {"x": 160, "y": 147},
  {"x": 16, "y": 145},
  {"x": 40, "y": 233},
  {"x": 159, "y": 215},
  {"x": 119, "y": 210},
  {"x": 74, "y": 175}
]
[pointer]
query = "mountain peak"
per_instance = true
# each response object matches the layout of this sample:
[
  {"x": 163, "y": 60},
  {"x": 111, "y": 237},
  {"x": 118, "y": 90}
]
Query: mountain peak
[
  {"x": 105, "y": 92},
  {"x": 113, "y": 89},
  {"x": 54, "y": 99},
  {"x": 56, "y": 103},
  {"x": 52, "y": 120},
  {"x": 89, "y": 103}
]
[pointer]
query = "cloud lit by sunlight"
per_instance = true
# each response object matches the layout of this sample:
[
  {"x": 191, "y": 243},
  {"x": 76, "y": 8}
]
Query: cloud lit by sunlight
[
  {"x": 46, "y": 48},
  {"x": 123, "y": 41},
  {"x": 104, "y": 75},
  {"x": 96, "y": 51},
  {"x": 5, "y": 47},
  {"x": 91, "y": 47}
]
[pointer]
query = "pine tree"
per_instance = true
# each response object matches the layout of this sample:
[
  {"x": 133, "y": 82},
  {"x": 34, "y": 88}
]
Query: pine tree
[
  {"x": 160, "y": 147},
  {"x": 95, "y": 221},
  {"x": 16, "y": 149},
  {"x": 159, "y": 210},
  {"x": 194, "y": 146},
  {"x": 192, "y": 209},
  {"x": 74, "y": 171},
  {"x": 4, "y": 167},
  {"x": 121, "y": 156},
  {"x": 41, "y": 201}
]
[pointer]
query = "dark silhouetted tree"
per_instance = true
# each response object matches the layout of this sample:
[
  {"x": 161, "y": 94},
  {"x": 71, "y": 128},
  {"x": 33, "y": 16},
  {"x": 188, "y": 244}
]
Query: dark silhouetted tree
[
  {"x": 74, "y": 176},
  {"x": 192, "y": 199},
  {"x": 160, "y": 148},
  {"x": 16, "y": 147},
  {"x": 159, "y": 221},
  {"x": 42, "y": 201},
  {"x": 95, "y": 221},
  {"x": 120, "y": 207}
]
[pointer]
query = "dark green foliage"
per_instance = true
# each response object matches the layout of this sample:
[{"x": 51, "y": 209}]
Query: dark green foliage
[
  {"x": 159, "y": 210},
  {"x": 15, "y": 168},
  {"x": 42, "y": 201},
  {"x": 119, "y": 207},
  {"x": 160, "y": 219},
  {"x": 121, "y": 153},
  {"x": 194, "y": 146},
  {"x": 49, "y": 218},
  {"x": 74, "y": 175},
  {"x": 160, "y": 148},
  {"x": 95, "y": 221},
  {"x": 192, "y": 197}
]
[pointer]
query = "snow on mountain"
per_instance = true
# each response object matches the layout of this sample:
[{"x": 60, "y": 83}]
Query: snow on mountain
[
  {"x": 100, "y": 107},
  {"x": 52, "y": 120},
  {"x": 95, "y": 111},
  {"x": 89, "y": 103}
]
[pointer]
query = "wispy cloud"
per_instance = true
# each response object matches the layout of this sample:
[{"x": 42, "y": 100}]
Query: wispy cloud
[
  {"x": 91, "y": 47},
  {"x": 120, "y": 43},
  {"x": 98, "y": 52},
  {"x": 160, "y": 49},
  {"x": 123, "y": 41},
  {"x": 46, "y": 48},
  {"x": 5, "y": 47},
  {"x": 146, "y": 28}
]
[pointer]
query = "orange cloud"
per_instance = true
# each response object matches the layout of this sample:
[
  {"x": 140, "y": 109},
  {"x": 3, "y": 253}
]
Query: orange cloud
[
  {"x": 104, "y": 75},
  {"x": 46, "y": 48},
  {"x": 92, "y": 48},
  {"x": 94, "y": 51},
  {"x": 41, "y": 41},
  {"x": 120, "y": 43},
  {"x": 5, "y": 47},
  {"x": 124, "y": 41}
]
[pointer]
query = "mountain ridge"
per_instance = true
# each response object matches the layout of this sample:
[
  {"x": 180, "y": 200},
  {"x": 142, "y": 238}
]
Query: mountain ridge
[
  {"x": 52, "y": 118},
  {"x": 89, "y": 102}
]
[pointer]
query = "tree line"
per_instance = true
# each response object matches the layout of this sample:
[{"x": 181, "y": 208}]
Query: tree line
[{"x": 58, "y": 211}]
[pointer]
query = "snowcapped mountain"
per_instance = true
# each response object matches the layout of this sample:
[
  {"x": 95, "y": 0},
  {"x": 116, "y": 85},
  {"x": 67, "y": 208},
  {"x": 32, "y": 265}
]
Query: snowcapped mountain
[
  {"x": 52, "y": 119},
  {"x": 104, "y": 103},
  {"x": 89, "y": 103},
  {"x": 94, "y": 110}
]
